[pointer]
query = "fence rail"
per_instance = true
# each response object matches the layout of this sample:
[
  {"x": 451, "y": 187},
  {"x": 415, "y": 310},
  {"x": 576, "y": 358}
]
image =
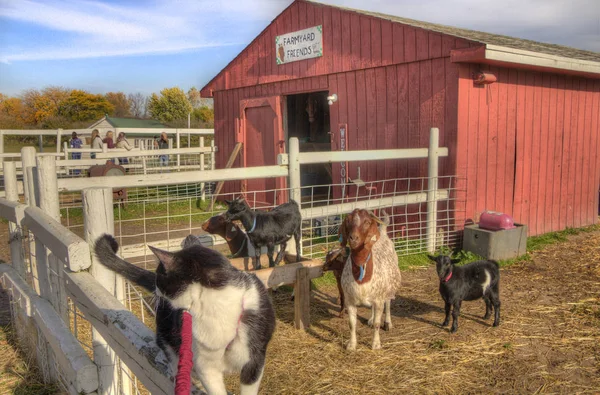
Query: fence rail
[{"x": 52, "y": 293}]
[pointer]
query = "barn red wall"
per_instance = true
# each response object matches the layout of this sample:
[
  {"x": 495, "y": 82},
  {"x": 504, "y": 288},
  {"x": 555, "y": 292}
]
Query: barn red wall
[
  {"x": 351, "y": 41},
  {"x": 394, "y": 82},
  {"x": 529, "y": 147}
]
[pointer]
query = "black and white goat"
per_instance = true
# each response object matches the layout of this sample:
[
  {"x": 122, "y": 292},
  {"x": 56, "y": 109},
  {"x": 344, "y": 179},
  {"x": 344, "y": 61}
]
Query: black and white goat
[
  {"x": 268, "y": 228},
  {"x": 476, "y": 280}
]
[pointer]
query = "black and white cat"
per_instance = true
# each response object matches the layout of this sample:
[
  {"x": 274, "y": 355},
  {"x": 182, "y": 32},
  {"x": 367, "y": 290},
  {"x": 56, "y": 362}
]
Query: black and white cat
[{"x": 232, "y": 315}]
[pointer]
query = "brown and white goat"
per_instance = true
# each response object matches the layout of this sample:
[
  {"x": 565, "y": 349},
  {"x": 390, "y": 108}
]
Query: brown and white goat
[{"x": 371, "y": 276}]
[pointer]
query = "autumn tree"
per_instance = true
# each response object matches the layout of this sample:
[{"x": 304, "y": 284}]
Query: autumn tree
[
  {"x": 41, "y": 109},
  {"x": 139, "y": 105},
  {"x": 11, "y": 113},
  {"x": 84, "y": 106},
  {"x": 171, "y": 105},
  {"x": 120, "y": 102}
]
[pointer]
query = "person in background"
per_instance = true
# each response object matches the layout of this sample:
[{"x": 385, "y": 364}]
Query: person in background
[
  {"x": 75, "y": 143},
  {"x": 108, "y": 140},
  {"x": 163, "y": 143},
  {"x": 123, "y": 143},
  {"x": 96, "y": 142}
]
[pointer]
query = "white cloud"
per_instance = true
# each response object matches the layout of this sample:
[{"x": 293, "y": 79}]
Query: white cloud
[{"x": 96, "y": 29}]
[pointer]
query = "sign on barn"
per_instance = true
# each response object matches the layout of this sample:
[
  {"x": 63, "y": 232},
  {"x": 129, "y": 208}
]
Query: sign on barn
[{"x": 300, "y": 45}]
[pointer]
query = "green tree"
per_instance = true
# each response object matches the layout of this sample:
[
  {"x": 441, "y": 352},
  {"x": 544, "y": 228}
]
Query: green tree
[
  {"x": 84, "y": 106},
  {"x": 204, "y": 114},
  {"x": 172, "y": 105},
  {"x": 121, "y": 103}
]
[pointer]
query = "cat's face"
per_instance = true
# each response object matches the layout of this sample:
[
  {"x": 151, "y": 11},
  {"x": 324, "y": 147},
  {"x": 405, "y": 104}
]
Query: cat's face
[{"x": 185, "y": 272}]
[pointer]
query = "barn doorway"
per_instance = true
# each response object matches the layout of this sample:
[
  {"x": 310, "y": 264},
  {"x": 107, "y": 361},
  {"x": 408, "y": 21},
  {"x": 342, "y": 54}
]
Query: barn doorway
[{"x": 308, "y": 120}]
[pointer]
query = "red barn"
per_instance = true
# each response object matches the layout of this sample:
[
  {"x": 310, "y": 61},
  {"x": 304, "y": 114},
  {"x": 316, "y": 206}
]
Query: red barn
[{"x": 520, "y": 118}]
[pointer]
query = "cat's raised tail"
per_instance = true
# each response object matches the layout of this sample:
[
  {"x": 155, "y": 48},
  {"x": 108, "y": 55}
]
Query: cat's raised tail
[{"x": 106, "y": 248}]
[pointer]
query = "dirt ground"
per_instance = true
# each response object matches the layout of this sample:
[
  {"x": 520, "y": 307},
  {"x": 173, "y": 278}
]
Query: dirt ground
[{"x": 548, "y": 340}]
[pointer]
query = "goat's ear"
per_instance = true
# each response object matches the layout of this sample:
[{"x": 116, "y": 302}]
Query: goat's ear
[
  {"x": 230, "y": 231},
  {"x": 372, "y": 235},
  {"x": 455, "y": 261},
  {"x": 343, "y": 233},
  {"x": 431, "y": 258}
]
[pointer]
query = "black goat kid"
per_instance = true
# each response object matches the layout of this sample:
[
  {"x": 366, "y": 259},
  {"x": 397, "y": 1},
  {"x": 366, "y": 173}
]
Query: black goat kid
[
  {"x": 268, "y": 228},
  {"x": 473, "y": 281}
]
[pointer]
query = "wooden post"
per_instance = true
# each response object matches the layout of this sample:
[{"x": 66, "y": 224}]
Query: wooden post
[
  {"x": 177, "y": 142},
  {"x": 202, "y": 194},
  {"x": 302, "y": 299},
  {"x": 66, "y": 150},
  {"x": 143, "y": 148},
  {"x": 97, "y": 220},
  {"x": 47, "y": 186},
  {"x": 17, "y": 256},
  {"x": 41, "y": 143},
  {"x": 234, "y": 154},
  {"x": 432, "y": 186},
  {"x": 2, "y": 142},
  {"x": 104, "y": 147},
  {"x": 28, "y": 162},
  {"x": 212, "y": 153},
  {"x": 294, "y": 182},
  {"x": 58, "y": 136}
]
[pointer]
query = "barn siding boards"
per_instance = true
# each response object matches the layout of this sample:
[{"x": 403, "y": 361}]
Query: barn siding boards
[{"x": 527, "y": 145}]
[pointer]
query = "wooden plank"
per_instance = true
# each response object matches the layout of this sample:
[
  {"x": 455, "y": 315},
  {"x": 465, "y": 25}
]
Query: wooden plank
[
  {"x": 565, "y": 86},
  {"x": 370, "y": 204},
  {"x": 387, "y": 43},
  {"x": 64, "y": 244},
  {"x": 133, "y": 342},
  {"x": 580, "y": 172},
  {"x": 380, "y": 119},
  {"x": 413, "y": 115},
  {"x": 302, "y": 299},
  {"x": 403, "y": 116},
  {"x": 573, "y": 154},
  {"x": 367, "y": 155},
  {"x": 354, "y": 112},
  {"x": 80, "y": 373},
  {"x": 351, "y": 27},
  {"x": 544, "y": 209},
  {"x": 136, "y": 154},
  {"x": 519, "y": 148},
  {"x": 398, "y": 42},
  {"x": 12, "y": 211},
  {"x": 135, "y": 180},
  {"x": 503, "y": 137},
  {"x": 435, "y": 45},
  {"x": 422, "y": 40},
  {"x": 357, "y": 140},
  {"x": 587, "y": 195},
  {"x": 493, "y": 139},
  {"x": 369, "y": 170},
  {"x": 472, "y": 153},
  {"x": 425, "y": 109},
  {"x": 286, "y": 274},
  {"x": 410, "y": 44},
  {"x": 236, "y": 150},
  {"x": 555, "y": 154},
  {"x": 376, "y": 42},
  {"x": 365, "y": 41},
  {"x": 391, "y": 123},
  {"x": 595, "y": 130}
]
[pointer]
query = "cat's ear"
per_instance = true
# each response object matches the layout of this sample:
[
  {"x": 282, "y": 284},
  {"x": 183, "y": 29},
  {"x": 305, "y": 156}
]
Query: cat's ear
[{"x": 165, "y": 257}]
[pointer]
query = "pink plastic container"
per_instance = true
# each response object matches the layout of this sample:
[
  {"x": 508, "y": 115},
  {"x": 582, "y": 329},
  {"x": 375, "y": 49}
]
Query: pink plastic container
[{"x": 491, "y": 220}]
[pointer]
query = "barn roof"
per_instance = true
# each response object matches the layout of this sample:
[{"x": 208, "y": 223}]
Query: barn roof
[
  {"x": 495, "y": 49},
  {"x": 483, "y": 37},
  {"x": 130, "y": 123}
]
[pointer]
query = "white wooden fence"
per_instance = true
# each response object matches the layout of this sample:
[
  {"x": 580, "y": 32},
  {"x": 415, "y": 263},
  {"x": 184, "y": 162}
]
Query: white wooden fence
[{"x": 42, "y": 282}]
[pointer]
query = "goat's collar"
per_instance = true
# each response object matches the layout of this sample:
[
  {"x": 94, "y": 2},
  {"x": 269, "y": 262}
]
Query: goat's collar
[
  {"x": 253, "y": 226},
  {"x": 447, "y": 278},
  {"x": 362, "y": 267},
  {"x": 241, "y": 248}
]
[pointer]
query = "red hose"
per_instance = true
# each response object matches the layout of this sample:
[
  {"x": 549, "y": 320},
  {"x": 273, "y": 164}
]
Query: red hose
[{"x": 183, "y": 381}]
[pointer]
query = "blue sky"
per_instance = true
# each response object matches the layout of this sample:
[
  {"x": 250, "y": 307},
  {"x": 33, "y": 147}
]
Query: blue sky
[{"x": 144, "y": 46}]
